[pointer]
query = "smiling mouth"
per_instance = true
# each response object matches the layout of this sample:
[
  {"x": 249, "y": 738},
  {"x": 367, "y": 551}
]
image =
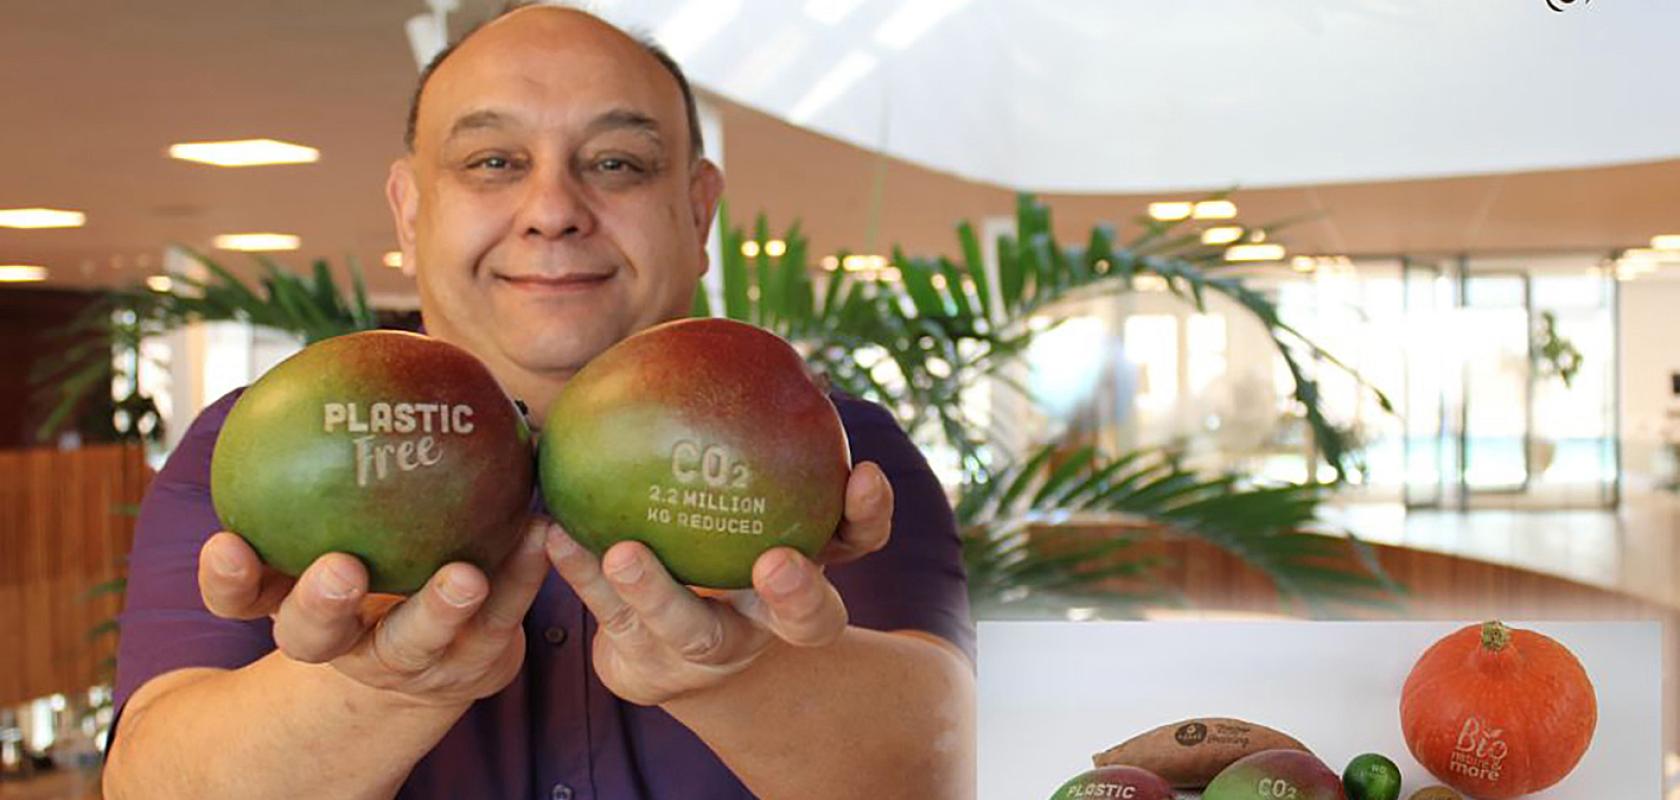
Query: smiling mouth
[{"x": 555, "y": 284}]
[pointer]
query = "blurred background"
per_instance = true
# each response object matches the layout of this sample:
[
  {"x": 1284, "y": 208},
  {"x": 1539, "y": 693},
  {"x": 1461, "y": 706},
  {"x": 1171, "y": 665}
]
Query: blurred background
[{"x": 1326, "y": 309}]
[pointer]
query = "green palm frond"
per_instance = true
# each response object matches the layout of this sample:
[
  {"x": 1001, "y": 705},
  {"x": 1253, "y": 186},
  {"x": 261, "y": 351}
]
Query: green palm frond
[
  {"x": 310, "y": 306},
  {"x": 1009, "y": 518},
  {"x": 918, "y": 344},
  {"x": 943, "y": 327}
]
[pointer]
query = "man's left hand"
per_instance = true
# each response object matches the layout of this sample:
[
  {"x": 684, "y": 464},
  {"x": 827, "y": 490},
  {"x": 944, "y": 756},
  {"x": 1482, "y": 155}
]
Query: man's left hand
[{"x": 659, "y": 640}]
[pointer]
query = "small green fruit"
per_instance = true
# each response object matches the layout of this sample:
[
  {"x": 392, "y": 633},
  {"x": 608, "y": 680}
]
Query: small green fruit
[
  {"x": 704, "y": 439},
  {"x": 1371, "y": 776}
]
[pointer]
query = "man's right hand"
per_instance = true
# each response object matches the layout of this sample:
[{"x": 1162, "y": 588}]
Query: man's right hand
[{"x": 457, "y": 639}]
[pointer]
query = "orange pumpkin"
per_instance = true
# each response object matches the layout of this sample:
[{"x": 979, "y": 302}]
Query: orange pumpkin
[{"x": 1497, "y": 712}]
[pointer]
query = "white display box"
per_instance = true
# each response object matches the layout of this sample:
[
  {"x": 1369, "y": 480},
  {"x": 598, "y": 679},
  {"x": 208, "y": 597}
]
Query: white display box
[{"x": 1054, "y": 693}]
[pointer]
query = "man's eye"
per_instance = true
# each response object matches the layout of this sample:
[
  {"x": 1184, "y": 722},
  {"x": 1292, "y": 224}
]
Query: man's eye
[
  {"x": 616, "y": 165},
  {"x": 494, "y": 163}
]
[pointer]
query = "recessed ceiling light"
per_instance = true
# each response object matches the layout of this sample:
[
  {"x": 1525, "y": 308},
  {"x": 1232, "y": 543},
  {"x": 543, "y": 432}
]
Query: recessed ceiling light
[
  {"x": 1304, "y": 263},
  {"x": 1170, "y": 211},
  {"x": 864, "y": 263},
  {"x": 1254, "y": 252},
  {"x": 22, "y": 273},
  {"x": 244, "y": 153},
  {"x": 257, "y": 242},
  {"x": 749, "y": 248},
  {"x": 775, "y": 248},
  {"x": 1224, "y": 234},
  {"x": 1215, "y": 209},
  {"x": 1669, "y": 241},
  {"x": 394, "y": 259},
  {"x": 41, "y": 218},
  {"x": 160, "y": 283}
]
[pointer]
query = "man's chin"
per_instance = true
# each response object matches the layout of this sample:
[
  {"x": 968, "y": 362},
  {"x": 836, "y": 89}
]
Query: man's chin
[{"x": 559, "y": 356}]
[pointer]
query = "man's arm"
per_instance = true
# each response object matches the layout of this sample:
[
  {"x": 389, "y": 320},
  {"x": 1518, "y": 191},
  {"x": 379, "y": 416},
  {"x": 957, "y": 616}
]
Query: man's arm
[
  {"x": 274, "y": 728},
  {"x": 359, "y": 690},
  {"x": 797, "y": 703},
  {"x": 876, "y": 714}
]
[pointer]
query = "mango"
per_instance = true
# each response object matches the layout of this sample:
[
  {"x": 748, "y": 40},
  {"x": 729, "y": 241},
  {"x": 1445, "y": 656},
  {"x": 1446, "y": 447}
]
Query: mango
[
  {"x": 1276, "y": 775},
  {"x": 705, "y": 439},
  {"x": 1115, "y": 783},
  {"x": 399, "y": 449}
]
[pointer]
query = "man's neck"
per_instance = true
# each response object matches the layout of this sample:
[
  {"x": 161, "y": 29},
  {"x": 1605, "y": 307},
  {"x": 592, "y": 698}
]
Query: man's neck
[{"x": 537, "y": 392}]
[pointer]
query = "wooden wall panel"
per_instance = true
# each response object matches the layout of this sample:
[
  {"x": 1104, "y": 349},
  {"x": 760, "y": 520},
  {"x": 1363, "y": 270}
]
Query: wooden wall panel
[
  {"x": 63, "y": 531},
  {"x": 31, "y": 319}
]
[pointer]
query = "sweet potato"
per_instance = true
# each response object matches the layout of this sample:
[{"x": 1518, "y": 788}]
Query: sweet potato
[{"x": 1190, "y": 752}]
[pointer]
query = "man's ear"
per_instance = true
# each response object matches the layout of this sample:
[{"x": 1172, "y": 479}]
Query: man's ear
[
  {"x": 403, "y": 195},
  {"x": 704, "y": 192}
]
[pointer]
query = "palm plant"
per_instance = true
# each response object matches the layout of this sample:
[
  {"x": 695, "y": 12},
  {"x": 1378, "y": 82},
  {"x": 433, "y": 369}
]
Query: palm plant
[
  {"x": 310, "y": 307},
  {"x": 947, "y": 326}
]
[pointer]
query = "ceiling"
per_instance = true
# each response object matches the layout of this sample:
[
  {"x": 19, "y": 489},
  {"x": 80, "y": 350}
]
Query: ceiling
[
  {"x": 1098, "y": 96},
  {"x": 92, "y": 100}
]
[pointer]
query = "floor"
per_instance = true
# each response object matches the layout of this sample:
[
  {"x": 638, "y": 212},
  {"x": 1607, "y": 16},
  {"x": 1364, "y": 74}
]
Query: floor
[{"x": 1635, "y": 550}]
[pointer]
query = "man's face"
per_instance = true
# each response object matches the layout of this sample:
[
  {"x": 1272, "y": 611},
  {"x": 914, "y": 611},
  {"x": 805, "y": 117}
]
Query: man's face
[{"x": 550, "y": 207}]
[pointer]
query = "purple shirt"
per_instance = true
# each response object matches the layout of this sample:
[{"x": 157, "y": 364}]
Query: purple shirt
[{"x": 555, "y": 732}]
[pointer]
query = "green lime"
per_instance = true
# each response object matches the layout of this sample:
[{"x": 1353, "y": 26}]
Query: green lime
[{"x": 1371, "y": 777}]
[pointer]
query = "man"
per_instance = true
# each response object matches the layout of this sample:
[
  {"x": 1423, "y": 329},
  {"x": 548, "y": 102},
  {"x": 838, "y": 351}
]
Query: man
[{"x": 553, "y": 202}]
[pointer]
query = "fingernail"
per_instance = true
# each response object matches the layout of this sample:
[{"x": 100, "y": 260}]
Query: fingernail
[
  {"x": 456, "y": 592},
  {"x": 786, "y": 578},
  {"x": 225, "y": 564},
  {"x": 879, "y": 485},
  {"x": 627, "y": 570},
  {"x": 560, "y": 546},
  {"x": 538, "y": 538},
  {"x": 336, "y": 583}
]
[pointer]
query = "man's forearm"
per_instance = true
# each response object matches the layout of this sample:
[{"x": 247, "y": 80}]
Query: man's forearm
[
  {"x": 276, "y": 728},
  {"x": 878, "y": 715}
]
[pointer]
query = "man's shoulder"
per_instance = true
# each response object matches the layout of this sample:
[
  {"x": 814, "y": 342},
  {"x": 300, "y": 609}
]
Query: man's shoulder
[
  {"x": 857, "y": 412},
  {"x": 191, "y": 455}
]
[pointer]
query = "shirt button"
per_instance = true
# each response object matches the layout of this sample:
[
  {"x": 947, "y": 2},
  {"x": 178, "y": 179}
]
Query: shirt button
[
  {"x": 560, "y": 791},
  {"x": 556, "y": 636}
]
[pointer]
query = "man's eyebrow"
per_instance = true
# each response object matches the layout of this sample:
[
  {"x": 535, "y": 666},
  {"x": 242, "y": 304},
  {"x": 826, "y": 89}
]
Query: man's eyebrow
[
  {"x": 479, "y": 120},
  {"x": 615, "y": 119},
  {"x": 620, "y": 118}
]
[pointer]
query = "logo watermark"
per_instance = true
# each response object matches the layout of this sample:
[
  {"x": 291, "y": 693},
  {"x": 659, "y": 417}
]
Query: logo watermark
[{"x": 1561, "y": 6}]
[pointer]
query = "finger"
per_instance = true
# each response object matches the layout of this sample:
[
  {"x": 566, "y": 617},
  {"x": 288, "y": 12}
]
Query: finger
[
  {"x": 582, "y": 570},
  {"x": 674, "y": 616},
  {"x": 416, "y": 633},
  {"x": 319, "y": 619},
  {"x": 866, "y": 524},
  {"x": 517, "y": 580},
  {"x": 800, "y": 605},
  {"x": 234, "y": 582}
]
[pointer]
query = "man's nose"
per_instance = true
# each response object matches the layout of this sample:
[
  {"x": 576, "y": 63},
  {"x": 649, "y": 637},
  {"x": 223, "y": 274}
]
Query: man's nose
[{"x": 555, "y": 205}]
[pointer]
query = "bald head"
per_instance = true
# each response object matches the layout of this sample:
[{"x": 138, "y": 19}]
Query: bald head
[{"x": 557, "y": 19}]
